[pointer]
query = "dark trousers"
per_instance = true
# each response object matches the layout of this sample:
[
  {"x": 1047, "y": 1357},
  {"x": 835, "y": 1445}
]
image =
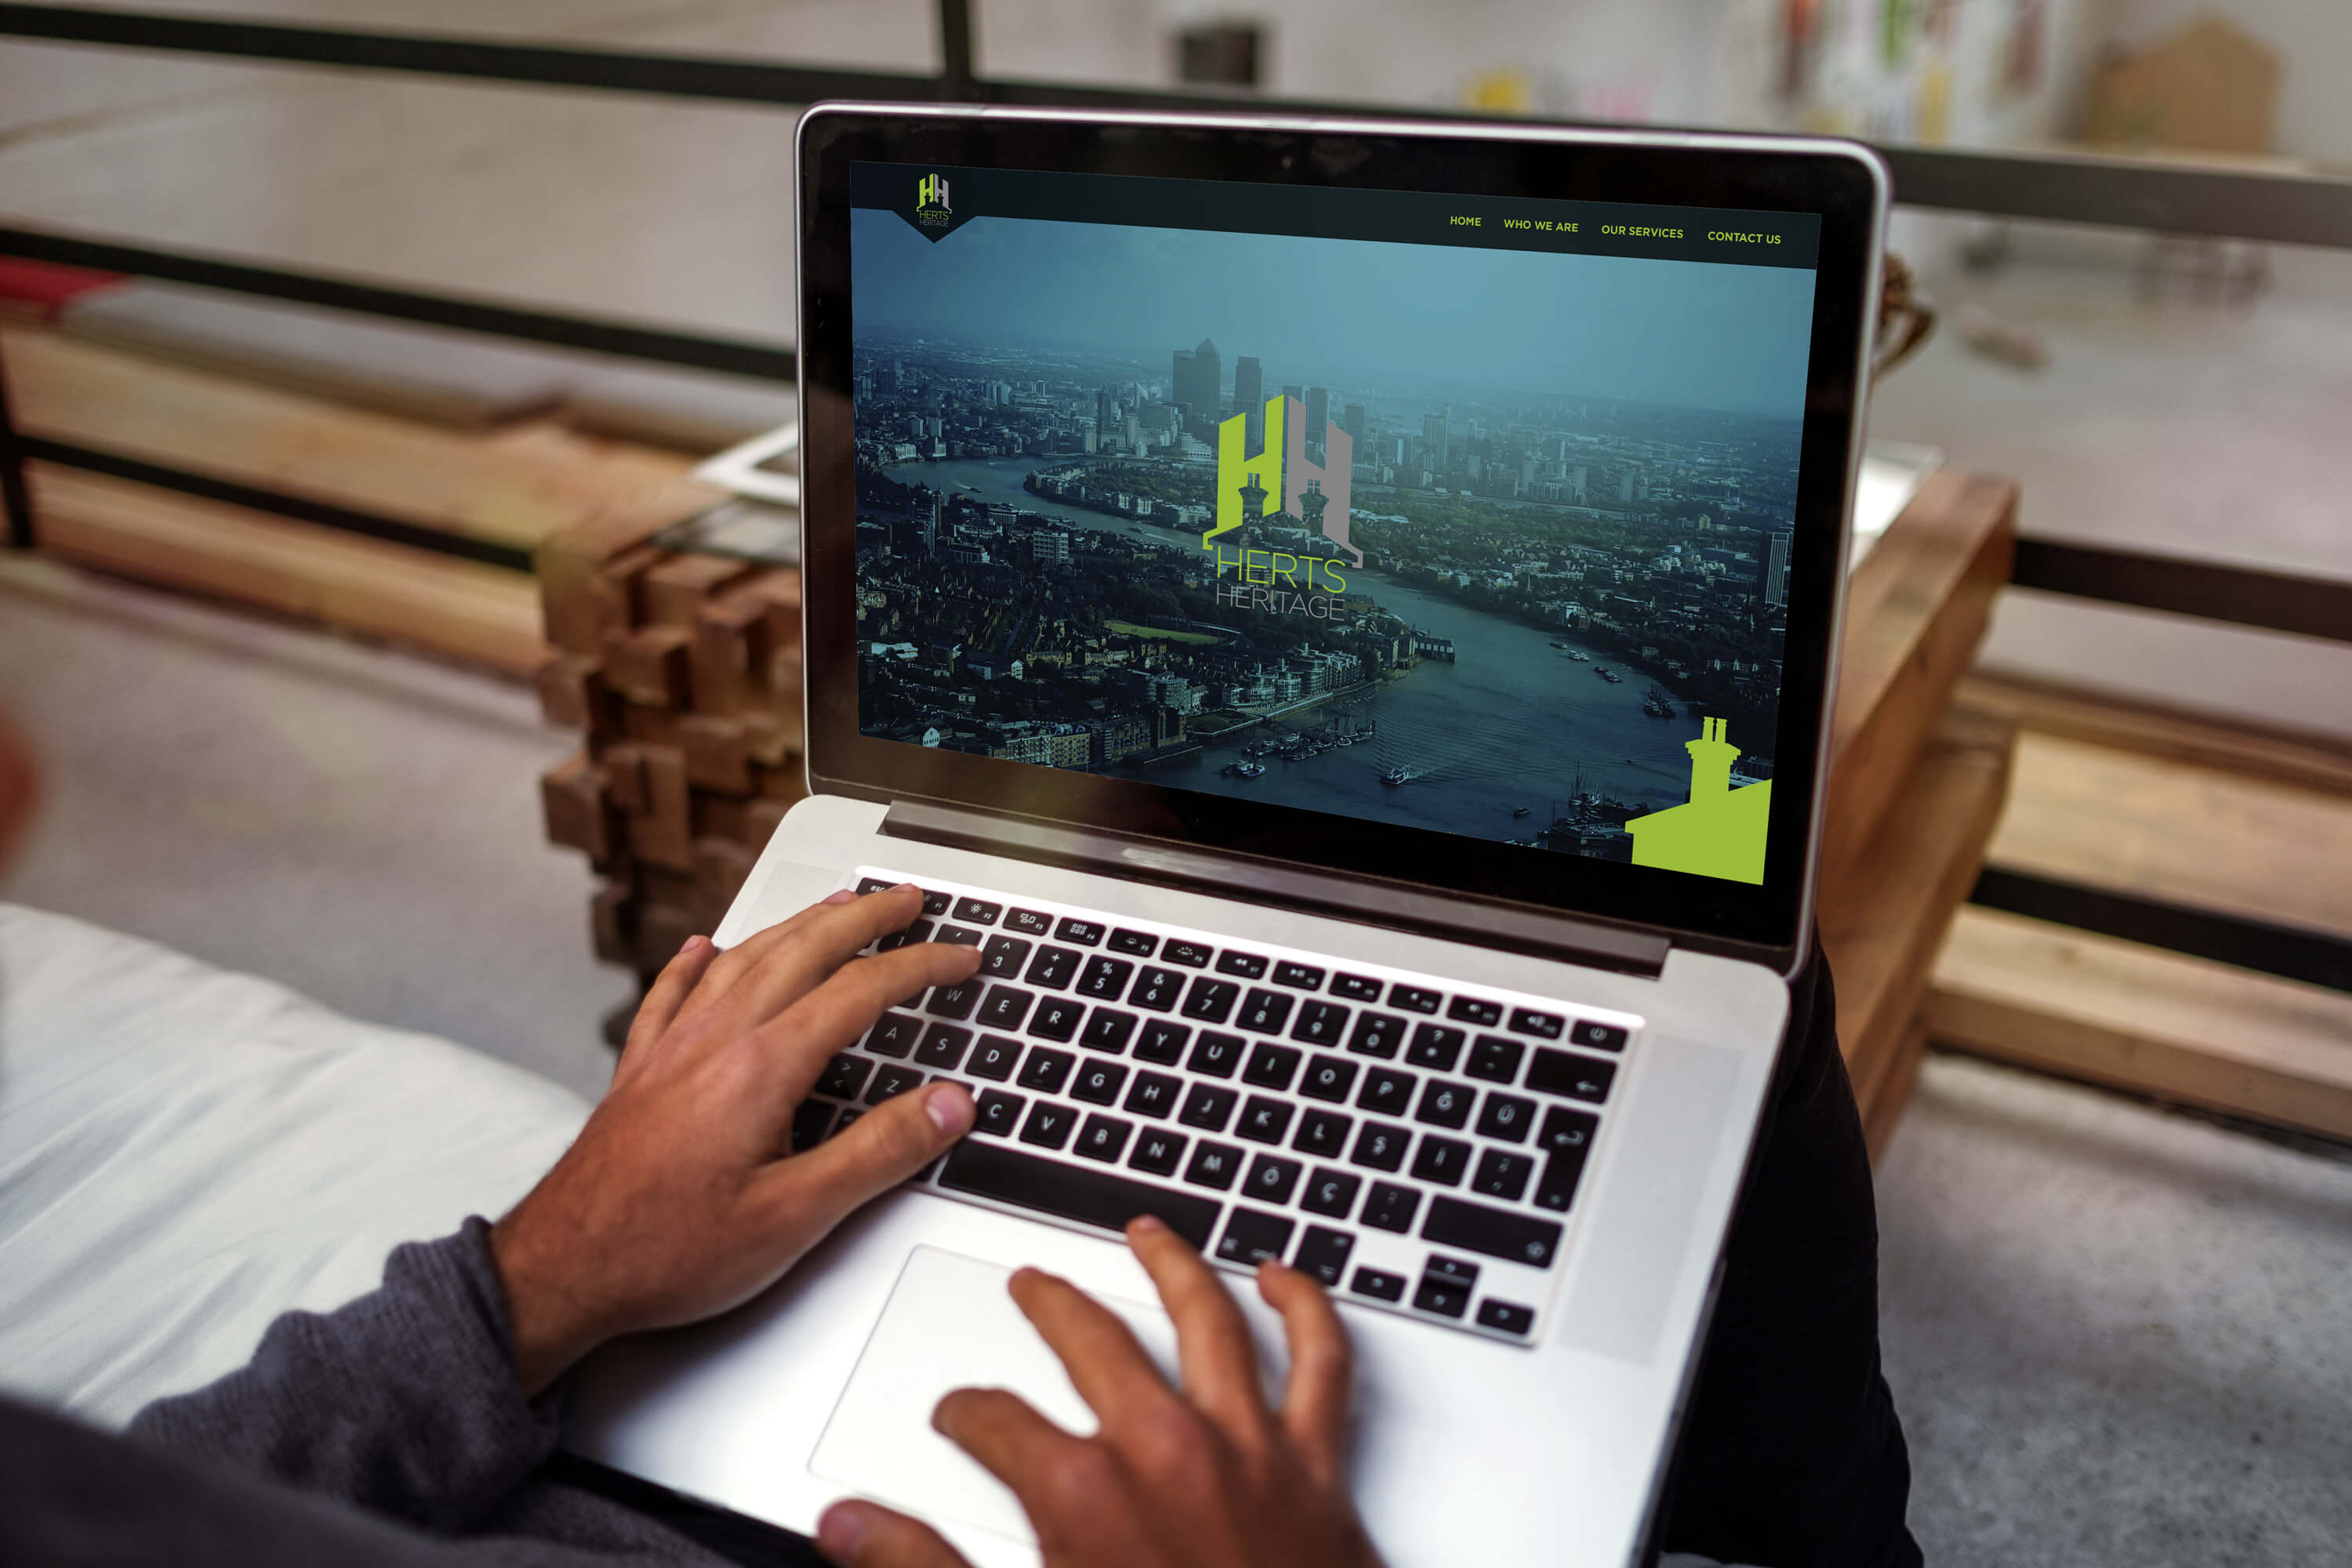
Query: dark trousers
[{"x": 1790, "y": 1454}]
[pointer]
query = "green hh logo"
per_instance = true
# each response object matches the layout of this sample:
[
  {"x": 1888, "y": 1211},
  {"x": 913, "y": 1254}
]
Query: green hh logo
[
  {"x": 1279, "y": 480},
  {"x": 932, "y": 192}
]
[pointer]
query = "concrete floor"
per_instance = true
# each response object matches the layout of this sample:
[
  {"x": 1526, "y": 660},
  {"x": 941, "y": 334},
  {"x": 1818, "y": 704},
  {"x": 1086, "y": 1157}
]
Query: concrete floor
[{"x": 2117, "y": 1336}]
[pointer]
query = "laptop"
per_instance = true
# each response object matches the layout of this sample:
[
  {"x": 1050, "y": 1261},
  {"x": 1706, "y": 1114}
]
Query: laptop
[{"x": 1342, "y": 614}]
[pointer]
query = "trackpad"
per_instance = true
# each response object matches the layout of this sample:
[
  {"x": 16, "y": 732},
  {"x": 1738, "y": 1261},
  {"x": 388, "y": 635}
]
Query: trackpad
[{"x": 950, "y": 1323}]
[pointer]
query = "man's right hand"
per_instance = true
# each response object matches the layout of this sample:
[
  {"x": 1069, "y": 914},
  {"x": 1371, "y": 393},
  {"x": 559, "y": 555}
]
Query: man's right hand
[{"x": 1205, "y": 1475}]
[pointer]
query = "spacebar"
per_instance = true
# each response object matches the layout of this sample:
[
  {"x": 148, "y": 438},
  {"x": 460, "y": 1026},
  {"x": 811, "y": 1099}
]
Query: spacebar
[{"x": 992, "y": 1171}]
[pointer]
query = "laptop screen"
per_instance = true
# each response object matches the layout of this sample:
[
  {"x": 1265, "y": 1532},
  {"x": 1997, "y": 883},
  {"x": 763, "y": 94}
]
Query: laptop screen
[{"x": 1459, "y": 513}]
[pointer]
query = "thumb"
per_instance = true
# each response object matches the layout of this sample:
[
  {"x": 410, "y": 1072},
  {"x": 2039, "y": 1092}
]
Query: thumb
[
  {"x": 865, "y": 1535},
  {"x": 886, "y": 1145}
]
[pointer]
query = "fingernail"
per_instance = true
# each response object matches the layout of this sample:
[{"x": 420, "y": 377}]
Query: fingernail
[
  {"x": 1147, "y": 1222},
  {"x": 950, "y": 1109},
  {"x": 843, "y": 896},
  {"x": 904, "y": 888},
  {"x": 694, "y": 943},
  {"x": 841, "y": 1531}
]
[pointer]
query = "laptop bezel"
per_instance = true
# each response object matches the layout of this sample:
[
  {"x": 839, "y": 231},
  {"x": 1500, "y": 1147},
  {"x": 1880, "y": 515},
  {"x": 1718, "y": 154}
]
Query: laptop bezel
[{"x": 1842, "y": 183}]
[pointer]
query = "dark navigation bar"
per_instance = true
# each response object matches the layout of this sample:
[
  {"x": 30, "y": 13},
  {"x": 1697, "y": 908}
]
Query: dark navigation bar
[{"x": 936, "y": 201}]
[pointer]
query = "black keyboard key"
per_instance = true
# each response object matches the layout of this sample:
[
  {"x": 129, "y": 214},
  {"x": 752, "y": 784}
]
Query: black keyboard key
[
  {"x": 1556, "y": 1189},
  {"x": 1214, "y": 1165},
  {"x": 895, "y": 1036},
  {"x": 1210, "y": 1001},
  {"x": 935, "y": 904},
  {"x": 1154, "y": 1095},
  {"x": 1387, "y": 1092},
  {"x": 1441, "y": 1296},
  {"x": 1190, "y": 954},
  {"x": 1508, "y": 1316},
  {"x": 1272, "y": 1066},
  {"x": 1578, "y": 1078},
  {"x": 1157, "y": 989},
  {"x": 1004, "y": 1007},
  {"x": 1159, "y": 1152},
  {"x": 1329, "y": 1079},
  {"x": 1444, "y": 1161},
  {"x": 842, "y": 1123},
  {"x": 1046, "y": 1071},
  {"x": 1378, "y": 1286},
  {"x": 1071, "y": 1191},
  {"x": 1085, "y": 933},
  {"x": 1054, "y": 967},
  {"x": 1381, "y": 1146},
  {"x": 1330, "y": 1193},
  {"x": 942, "y": 1048},
  {"x": 1471, "y": 1010},
  {"x": 1391, "y": 1208},
  {"x": 1377, "y": 1035},
  {"x": 1454, "y": 1270},
  {"x": 1567, "y": 1131},
  {"x": 1049, "y": 1124},
  {"x": 1216, "y": 1055},
  {"x": 1248, "y": 965},
  {"x": 1107, "y": 1030},
  {"x": 1413, "y": 998},
  {"x": 1028, "y": 922},
  {"x": 1099, "y": 1083},
  {"x": 1103, "y": 1138},
  {"x": 1299, "y": 976},
  {"x": 1001, "y": 957},
  {"x": 1506, "y": 1118},
  {"x": 1208, "y": 1107},
  {"x": 1543, "y": 1026},
  {"x": 1272, "y": 1179},
  {"x": 1265, "y": 1121},
  {"x": 809, "y": 1124},
  {"x": 874, "y": 885},
  {"x": 1104, "y": 978},
  {"x": 1323, "y": 1253},
  {"x": 1162, "y": 1042},
  {"x": 919, "y": 931},
  {"x": 1320, "y": 1024},
  {"x": 1496, "y": 1233},
  {"x": 1264, "y": 1012},
  {"x": 1598, "y": 1036},
  {"x": 1058, "y": 1018},
  {"x": 891, "y": 1081},
  {"x": 843, "y": 1076},
  {"x": 993, "y": 1057},
  {"x": 1502, "y": 1175},
  {"x": 979, "y": 911},
  {"x": 1323, "y": 1133},
  {"x": 1436, "y": 1046},
  {"x": 999, "y": 1113},
  {"x": 1444, "y": 1104},
  {"x": 958, "y": 936},
  {"x": 1356, "y": 987},
  {"x": 955, "y": 1001},
  {"x": 1134, "y": 943},
  {"x": 1495, "y": 1058},
  {"x": 1253, "y": 1237}
]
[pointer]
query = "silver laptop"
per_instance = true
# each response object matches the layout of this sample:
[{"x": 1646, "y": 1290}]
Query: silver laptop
[{"x": 1343, "y": 615}]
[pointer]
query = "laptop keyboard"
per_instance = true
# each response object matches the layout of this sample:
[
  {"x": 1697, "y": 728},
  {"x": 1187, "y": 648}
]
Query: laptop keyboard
[{"x": 1415, "y": 1144}]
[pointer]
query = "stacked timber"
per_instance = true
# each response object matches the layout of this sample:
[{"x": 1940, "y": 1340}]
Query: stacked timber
[{"x": 683, "y": 674}]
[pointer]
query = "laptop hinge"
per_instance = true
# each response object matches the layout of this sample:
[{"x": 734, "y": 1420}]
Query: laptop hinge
[{"x": 1367, "y": 900}]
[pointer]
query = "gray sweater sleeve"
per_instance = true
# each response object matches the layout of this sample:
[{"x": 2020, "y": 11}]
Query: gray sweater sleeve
[{"x": 403, "y": 1402}]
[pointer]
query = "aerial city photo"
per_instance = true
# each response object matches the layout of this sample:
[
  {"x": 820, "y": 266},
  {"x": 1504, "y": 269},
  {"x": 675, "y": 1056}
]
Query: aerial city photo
[{"x": 1505, "y": 553}]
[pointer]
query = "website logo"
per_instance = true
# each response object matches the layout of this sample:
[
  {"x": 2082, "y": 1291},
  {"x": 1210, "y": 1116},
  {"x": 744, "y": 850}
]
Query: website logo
[
  {"x": 931, "y": 200},
  {"x": 1279, "y": 480}
]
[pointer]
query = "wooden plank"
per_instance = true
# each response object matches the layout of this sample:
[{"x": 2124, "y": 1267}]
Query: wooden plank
[
  {"x": 2179, "y": 832},
  {"x": 1915, "y": 611},
  {"x": 461, "y": 609},
  {"x": 520, "y": 489},
  {"x": 2283, "y": 756},
  {"x": 1882, "y": 933},
  {"x": 2066, "y": 1002}
]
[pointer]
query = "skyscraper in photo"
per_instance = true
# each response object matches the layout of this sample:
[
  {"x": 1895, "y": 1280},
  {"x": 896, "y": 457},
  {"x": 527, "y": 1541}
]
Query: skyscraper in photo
[
  {"x": 1352, "y": 422},
  {"x": 1433, "y": 437},
  {"x": 1249, "y": 397},
  {"x": 1776, "y": 570},
  {"x": 1200, "y": 381}
]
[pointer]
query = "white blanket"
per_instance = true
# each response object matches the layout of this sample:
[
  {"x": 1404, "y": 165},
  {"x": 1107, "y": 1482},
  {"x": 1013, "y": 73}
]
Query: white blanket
[{"x": 186, "y": 1153}]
